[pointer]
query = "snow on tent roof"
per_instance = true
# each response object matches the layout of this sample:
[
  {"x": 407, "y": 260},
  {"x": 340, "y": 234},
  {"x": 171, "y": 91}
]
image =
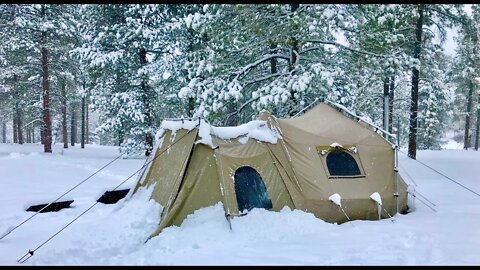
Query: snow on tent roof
[{"x": 256, "y": 129}]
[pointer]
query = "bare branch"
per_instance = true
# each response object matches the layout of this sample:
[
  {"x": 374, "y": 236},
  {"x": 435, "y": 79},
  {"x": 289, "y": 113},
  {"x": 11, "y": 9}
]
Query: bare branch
[{"x": 225, "y": 119}]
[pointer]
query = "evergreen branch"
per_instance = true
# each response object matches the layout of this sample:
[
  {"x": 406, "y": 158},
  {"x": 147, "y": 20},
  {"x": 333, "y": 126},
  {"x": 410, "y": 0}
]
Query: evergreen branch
[
  {"x": 262, "y": 60},
  {"x": 264, "y": 78},
  {"x": 347, "y": 48},
  {"x": 454, "y": 18}
]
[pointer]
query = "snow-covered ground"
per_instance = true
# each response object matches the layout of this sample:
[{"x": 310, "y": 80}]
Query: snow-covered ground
[
  {"x": 450, "y": 143},
  {"x": 115, "y": 234}
]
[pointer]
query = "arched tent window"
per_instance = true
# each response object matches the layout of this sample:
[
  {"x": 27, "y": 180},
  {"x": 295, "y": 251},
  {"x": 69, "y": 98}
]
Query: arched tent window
[
  {"x": 250, "y": 190},
  {"x": 341, "y": 163}
]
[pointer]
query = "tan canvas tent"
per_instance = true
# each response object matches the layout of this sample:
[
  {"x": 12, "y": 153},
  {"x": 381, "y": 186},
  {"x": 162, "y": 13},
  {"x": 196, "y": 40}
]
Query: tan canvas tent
[{"x": 272, "y": 163}]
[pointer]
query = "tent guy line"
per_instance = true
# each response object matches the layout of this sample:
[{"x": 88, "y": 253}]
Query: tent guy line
[
  {"x": 25, "y": 257},
  {"x": 446, "y": 177},
  {"x": 77, "y": 185}
]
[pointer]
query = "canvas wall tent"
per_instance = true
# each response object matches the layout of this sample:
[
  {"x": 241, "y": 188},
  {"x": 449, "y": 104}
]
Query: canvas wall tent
[{"x": 271, "y": 163}]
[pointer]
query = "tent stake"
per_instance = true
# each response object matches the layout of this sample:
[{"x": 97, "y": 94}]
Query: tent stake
[{"x": 227, "y": 216}]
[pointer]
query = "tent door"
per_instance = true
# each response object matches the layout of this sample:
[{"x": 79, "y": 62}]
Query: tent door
[{"x": 250, "y": 190}]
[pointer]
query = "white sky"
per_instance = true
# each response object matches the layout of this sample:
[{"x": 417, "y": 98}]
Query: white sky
[{"x": 450, "y": 45}]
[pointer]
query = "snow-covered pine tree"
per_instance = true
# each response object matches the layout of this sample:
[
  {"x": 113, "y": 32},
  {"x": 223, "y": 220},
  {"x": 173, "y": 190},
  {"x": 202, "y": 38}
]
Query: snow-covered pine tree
[
  {"x": 251, "y": 66},
  {"x": 124, "y": 48},
  {"x": 37, "y": 37},
  {"x": 424, "y": 16},
  {"x": 468, "y": 73},
  {"x": 436, "y": 97},
  {"x": 381, "y": 29}
]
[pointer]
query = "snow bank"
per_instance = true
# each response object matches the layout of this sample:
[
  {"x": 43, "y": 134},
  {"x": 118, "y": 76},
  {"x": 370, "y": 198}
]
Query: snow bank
[
  {"x": 204, "y": 238},
  {"x": 452, "y": 144},
  {"x": 110, "y": 232},
  {"x": 15, "y": 155}
]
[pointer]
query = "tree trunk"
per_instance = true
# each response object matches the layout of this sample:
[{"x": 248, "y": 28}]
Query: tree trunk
[
  {"x": 191, "y": 106},
  {"x": 120, "y": 137},
  {"x": 15, "y": 109},
  {"x": 412, "y": 135},
  {"x": 4, "y": 132},
  {"x": 391, "y": 96},
  {"x": 386, "y": 103},
  {"x": 232, "y": 107},
  {"x": 33, "y": 134},
  {"x": 83, "y": 121},
  {"x": 73, "y": 125},
  {"x": 18, "y": 111},
  {"x": 466, "y": 139},
  {"x": 477, "y": 129},
  {"x": 273, "y": 66},
  {"x": 273, "y": 61},
  {"x": 15, "y": 130},
  {"x": 293, "y": 61},
  {"x": 147, "y": 96},
  {"x": 64, "y": 116},
  {"x": 87, "y": 138},
  {"x": 19, "y": 126},
  {"x": 47, "y": 130},
  {"x": 190, "y": 50}
]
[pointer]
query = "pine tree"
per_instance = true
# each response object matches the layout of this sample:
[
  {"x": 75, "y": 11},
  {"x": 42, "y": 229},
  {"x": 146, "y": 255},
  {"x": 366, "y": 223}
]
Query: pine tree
[
  {"x": 36, "y": 37},
  {"x": 124, "y": 49},
  {"x": 468, "y": 72}
]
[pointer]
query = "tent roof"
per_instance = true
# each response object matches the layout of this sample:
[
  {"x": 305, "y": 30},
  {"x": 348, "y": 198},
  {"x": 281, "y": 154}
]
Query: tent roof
[
  {"x": 331, "y": 125},
  {"x": 322, "y": 121}
]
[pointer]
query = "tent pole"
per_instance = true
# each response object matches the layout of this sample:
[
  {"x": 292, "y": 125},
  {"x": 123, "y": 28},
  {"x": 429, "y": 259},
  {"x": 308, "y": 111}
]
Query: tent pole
[
  {"x": 396, "y": 177},
  {"x": 396, "y": 190},
  {"x": 385, "y": 114},
  {"x": 397, "y": 147}
]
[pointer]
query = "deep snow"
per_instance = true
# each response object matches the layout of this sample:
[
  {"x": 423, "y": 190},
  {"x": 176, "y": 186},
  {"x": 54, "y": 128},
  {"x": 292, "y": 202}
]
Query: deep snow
[{"x": 115, "y": 234}]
